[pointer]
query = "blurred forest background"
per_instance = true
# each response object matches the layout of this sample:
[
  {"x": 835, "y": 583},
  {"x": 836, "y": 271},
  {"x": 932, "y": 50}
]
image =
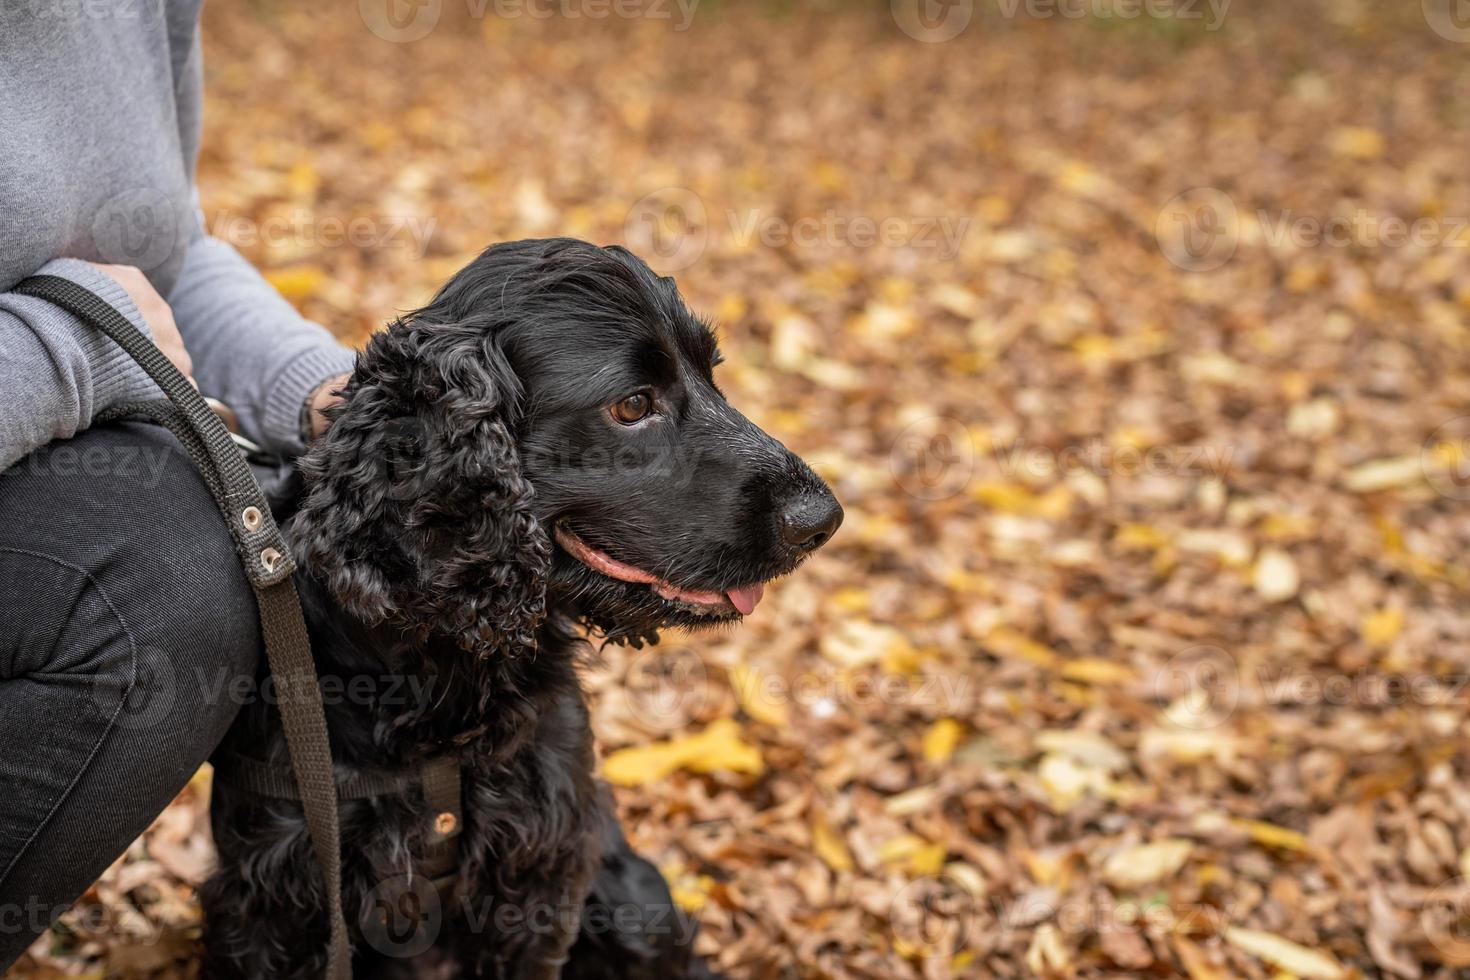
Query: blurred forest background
[{"x": 1136, "y": 348}]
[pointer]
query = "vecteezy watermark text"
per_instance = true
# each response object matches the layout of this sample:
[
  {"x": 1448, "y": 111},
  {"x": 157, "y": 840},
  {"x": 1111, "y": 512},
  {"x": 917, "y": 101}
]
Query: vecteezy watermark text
[
  {"x": 674, "y": 226},
  {"x": 404, "y": 21},
  {"x": 1200, "y": 230},
  {"x": 1099, "y": 458},
  {"x": 304, "y": 228},
  {"x": 934, "y": 21},
  {"x": 832, "y": 229}
]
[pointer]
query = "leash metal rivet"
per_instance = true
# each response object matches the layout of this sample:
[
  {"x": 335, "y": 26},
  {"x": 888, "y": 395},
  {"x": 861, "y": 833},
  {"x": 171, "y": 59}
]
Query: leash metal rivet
[
  {"x": 251, "y": 518},
  {"x": 270, "y": 559},
  {"x": 446, "y": 822}
]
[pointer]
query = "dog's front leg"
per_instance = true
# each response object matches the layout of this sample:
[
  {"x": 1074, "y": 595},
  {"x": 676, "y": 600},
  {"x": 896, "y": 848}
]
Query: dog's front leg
[
  {"x": 255, "y": 926},
  {"x": 549, "y": 951}
]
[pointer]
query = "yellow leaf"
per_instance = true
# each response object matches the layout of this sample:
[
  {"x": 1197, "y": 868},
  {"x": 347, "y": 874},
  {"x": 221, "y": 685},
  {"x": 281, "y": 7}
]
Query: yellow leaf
[
  {"x": 1357, "y": 142},
  {"x": 1007, "y": 642},
  {"x": 202, "y": 782},
  {"x": 901, "y": 848},
  {"x": 829, "y": 176},
  {"x": 1231, "y": 547},
  {"x": 1284, "y": 953},
  {"x": 717, "y": 747},
  {"x": 883, "y": 321},
  {"x": 1215, "y": 368},
  {"x": 940, "y": 740},
  {"x": 1382, "y": 627},
  {"x": 793, "y": 342},
  {"x": 1142, "y": 536},
  {"x": 1385, "y": 474},
  {"x": 1271, "y": 835},
  {"x": 1193, "y": 958},
  {"x": 830, "y": 847},
  {"x": 732, "y": 307},
  {"x": 303, "y": 180},
  {"x": 837, "y": 375},
  {"x": 956, "y": 299},
  {"x": 1067, "y": 781},
  {"x": 1094, "y": 670},
  {"x": 911, "y": 801},
  {"x": 852, "y": 599},
  {"x": 1275, "y": 578},
  {"x": 297, "y": 282},
  {"x": 917, "y": 855},
  {"x": 1046, "y": 869},
  {"x": 1088, "y": 748},
  {"x": 690, "y": 891},
  {"x": 761, "y": 700},
  {"x": 928, "y": 860},
  {"x": 1144, "y": 864},
  {"x": 1008, "y": 498},
  {"x": 1047, "y": 954},
  {"x": 858, "y": 643}
]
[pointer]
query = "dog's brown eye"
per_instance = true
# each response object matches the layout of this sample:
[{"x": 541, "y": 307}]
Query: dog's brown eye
[{"x": 632, "y": 409}]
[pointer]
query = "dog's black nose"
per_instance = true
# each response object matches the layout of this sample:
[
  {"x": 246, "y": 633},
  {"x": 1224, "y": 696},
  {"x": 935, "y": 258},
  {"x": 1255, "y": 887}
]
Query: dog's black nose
[{"x": 809, "y": 520}]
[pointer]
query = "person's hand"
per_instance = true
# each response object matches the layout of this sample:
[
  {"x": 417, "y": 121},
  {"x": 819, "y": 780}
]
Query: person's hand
[
  {"x": 323, "y": 397},
  {"x": 156, "y": 313}
]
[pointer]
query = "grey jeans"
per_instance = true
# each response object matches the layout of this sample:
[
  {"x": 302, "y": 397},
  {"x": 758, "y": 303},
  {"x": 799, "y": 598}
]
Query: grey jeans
[{"x": 124, "y": 621}]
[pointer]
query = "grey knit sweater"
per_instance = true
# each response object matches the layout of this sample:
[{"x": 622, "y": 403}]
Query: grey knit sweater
[{"x": 99, "y": 129}]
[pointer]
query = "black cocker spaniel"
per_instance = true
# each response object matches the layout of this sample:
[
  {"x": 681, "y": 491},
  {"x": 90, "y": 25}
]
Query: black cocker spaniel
[{"x": 541, "y": 450}]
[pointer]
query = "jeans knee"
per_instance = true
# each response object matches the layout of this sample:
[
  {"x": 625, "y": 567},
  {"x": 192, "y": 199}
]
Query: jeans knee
[
  {"x": 199, "y": 654},
  {"x": 159, "y": 562}
]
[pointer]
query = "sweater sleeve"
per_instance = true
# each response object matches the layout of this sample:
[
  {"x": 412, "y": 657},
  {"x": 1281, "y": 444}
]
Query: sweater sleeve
[
  {"x": 250, "y": 347},
  {"x": 57, "y": 373}
]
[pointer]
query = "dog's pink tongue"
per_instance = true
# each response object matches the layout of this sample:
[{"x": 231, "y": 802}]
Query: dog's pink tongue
[{"x": 746, "y": 597}]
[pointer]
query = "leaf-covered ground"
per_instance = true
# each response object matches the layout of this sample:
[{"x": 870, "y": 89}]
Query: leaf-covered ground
[{"x": 1144, "y": 650}]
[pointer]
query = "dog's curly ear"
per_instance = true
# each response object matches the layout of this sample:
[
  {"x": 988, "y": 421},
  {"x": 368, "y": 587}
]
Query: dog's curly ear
[{"x": 416, "y": 510}]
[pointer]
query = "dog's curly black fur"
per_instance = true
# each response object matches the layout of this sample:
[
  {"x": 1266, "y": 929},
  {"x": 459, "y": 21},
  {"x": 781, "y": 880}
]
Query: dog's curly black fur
[{"x": 485, "y": 447}]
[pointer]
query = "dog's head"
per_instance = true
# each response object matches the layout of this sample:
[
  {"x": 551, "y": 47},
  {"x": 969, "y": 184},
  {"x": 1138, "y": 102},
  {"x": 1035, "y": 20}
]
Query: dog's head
[{"x": 548, "y": 429}]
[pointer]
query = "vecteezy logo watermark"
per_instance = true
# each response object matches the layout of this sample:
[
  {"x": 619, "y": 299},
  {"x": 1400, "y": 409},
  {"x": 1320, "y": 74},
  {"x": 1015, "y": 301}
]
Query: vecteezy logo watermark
[
  {"x": 1198, "y": 230},
  {"x": 1200, "y": 685},
  {"x": 402, "y": 915},
  {"x": 401, "y": 21},
  {"x": 1445, "y": 459},
  {"x": 139, "y": 227},
  {"x": 936, "y": 915},
  {"x": 670, "y": 224},
  {"x": 1450, "y": 19},
  {"x": 665, "y": 687},
  {"x": 932, "y": 458},
  {"x": 138, "y": 694},
  {"x": 1444, "y": 917},
  {"x": 932, "y": 21}
]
